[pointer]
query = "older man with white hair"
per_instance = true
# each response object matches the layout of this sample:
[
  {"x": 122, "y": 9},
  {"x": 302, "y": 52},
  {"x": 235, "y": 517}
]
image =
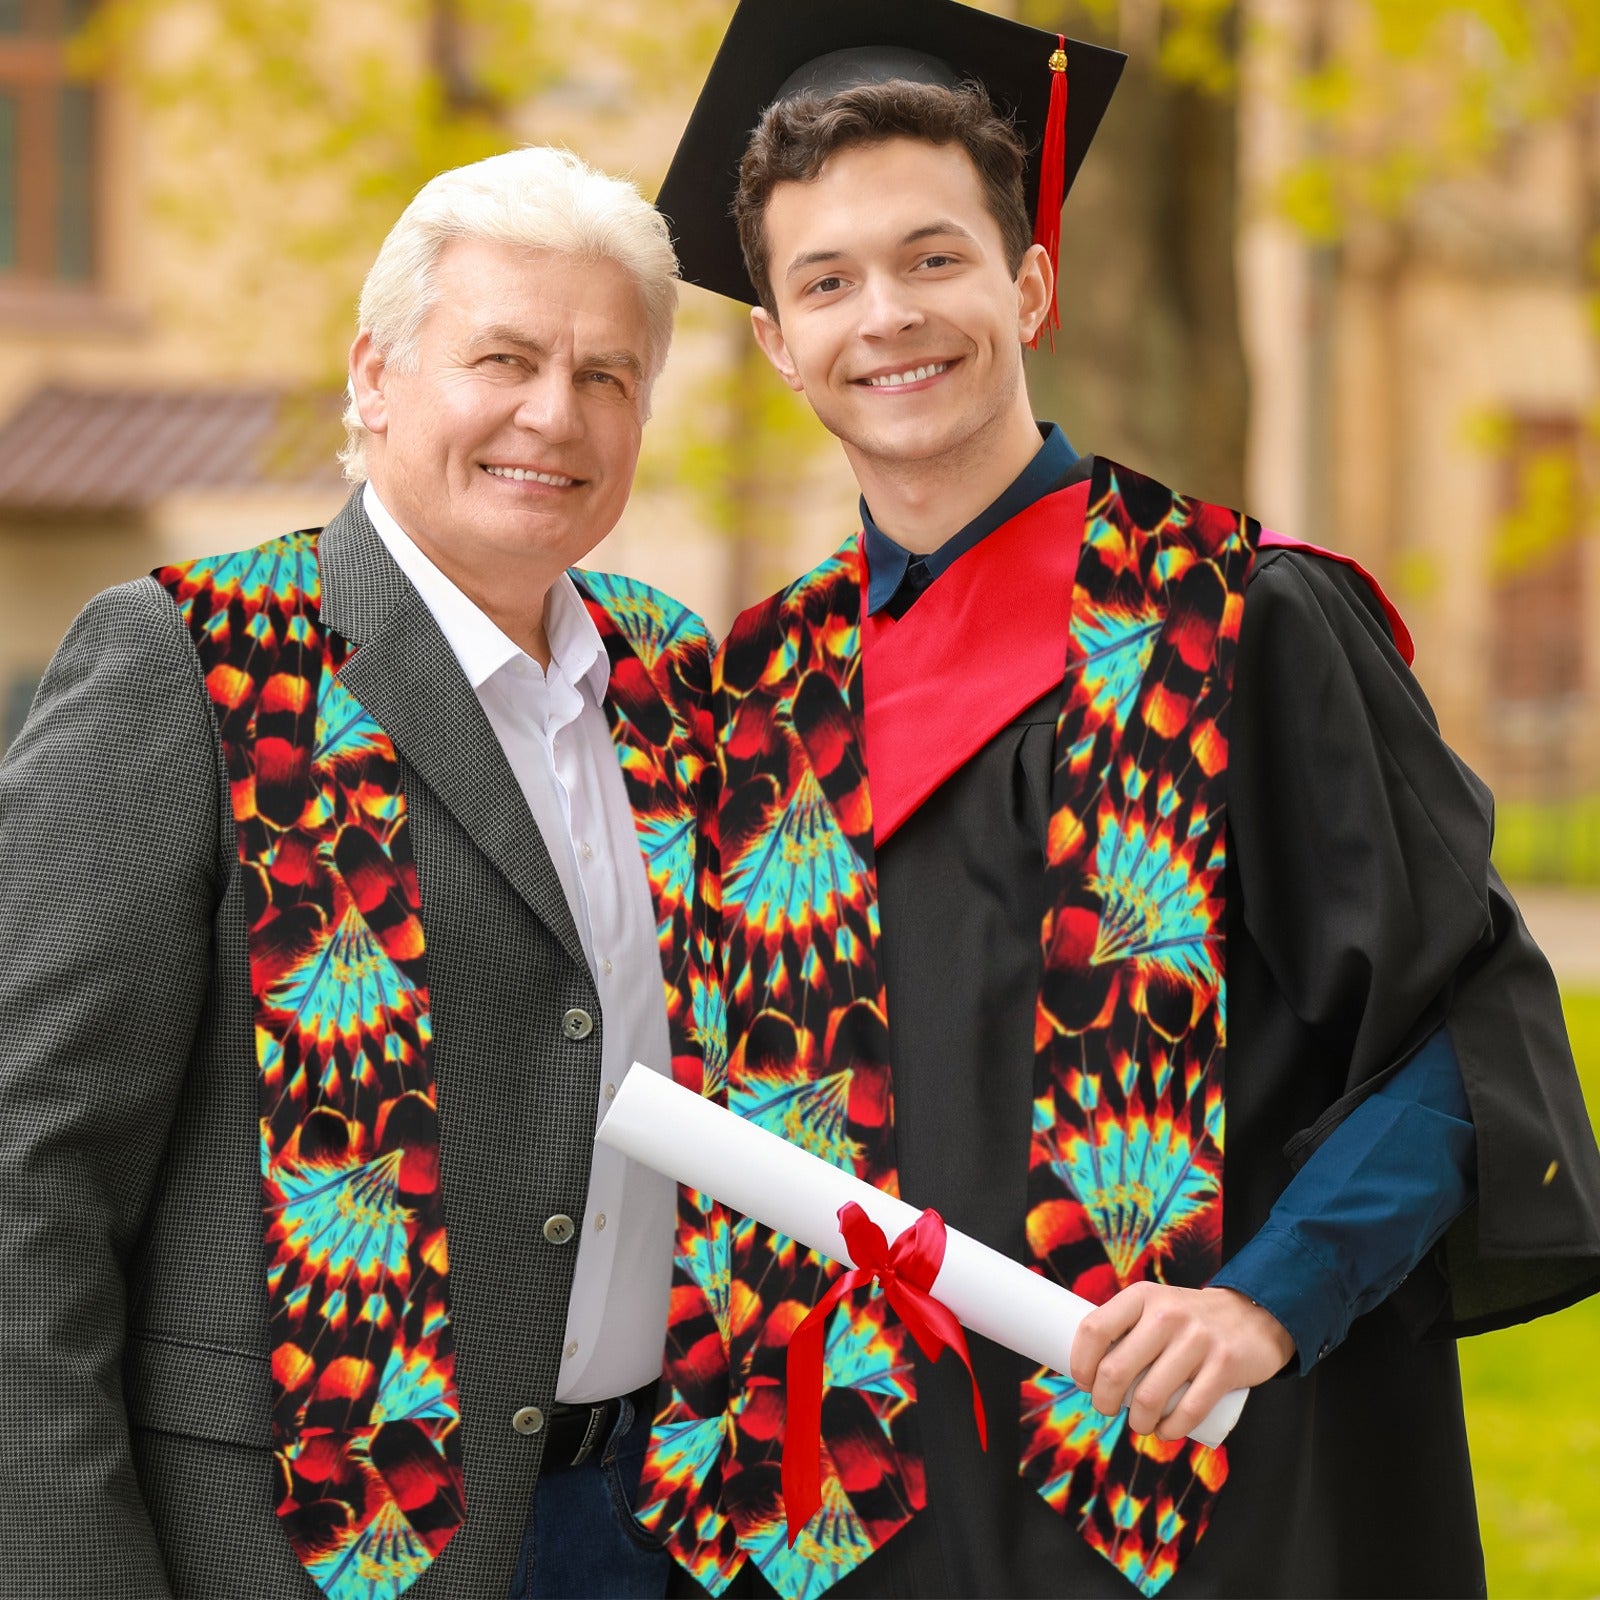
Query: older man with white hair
[{"x": 340, "y": 880}]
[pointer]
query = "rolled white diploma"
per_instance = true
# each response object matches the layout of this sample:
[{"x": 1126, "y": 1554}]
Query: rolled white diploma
[{"x": 674, "y": 1131}]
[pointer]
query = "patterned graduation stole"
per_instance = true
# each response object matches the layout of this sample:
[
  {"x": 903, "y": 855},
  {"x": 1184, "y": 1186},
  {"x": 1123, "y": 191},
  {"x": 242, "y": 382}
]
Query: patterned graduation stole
[
  {"x": 808, "y": 1059},
  {"x": 1125, "y": 1166},
  {"x": 659, "y": 709},
  {"x": 365, "y": 1416},
  {"x": 1132, "y": 978},
  {"x": 365, "y": 1413}
]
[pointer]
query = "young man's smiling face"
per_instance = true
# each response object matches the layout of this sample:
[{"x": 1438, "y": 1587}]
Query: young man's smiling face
[{"x": 898, "y": 315}]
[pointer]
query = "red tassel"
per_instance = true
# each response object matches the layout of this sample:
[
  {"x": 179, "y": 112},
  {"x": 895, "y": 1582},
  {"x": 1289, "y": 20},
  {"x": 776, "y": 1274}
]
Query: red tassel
[{"x": 1052, "y": 182}]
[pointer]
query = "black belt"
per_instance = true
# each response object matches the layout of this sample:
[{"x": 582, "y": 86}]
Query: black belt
[{"x": 574, "y": 1433}]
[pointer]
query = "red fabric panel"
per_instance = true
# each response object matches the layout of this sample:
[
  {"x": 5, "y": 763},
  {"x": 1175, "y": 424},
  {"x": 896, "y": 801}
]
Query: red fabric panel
[{"x": 936, "y": 688}]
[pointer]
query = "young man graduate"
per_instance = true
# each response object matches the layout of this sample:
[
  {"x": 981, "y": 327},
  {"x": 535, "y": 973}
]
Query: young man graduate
[{"x": 1074, "y": 833}]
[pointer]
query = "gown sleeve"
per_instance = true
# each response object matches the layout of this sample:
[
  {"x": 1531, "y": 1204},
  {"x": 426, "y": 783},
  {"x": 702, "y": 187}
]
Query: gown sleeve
[
  {"x": 1368, "y": 1205},
  {"x": 1361, "y": 843}
]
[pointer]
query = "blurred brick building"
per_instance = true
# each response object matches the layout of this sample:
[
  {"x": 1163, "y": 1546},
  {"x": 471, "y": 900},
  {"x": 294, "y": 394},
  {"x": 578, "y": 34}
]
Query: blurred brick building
[
  {"x": 131, "y": 433},
  {"x": 120, "y": 445},
  {"x": 129, "y": 436},
  {"x": 1425, "y": 395}
]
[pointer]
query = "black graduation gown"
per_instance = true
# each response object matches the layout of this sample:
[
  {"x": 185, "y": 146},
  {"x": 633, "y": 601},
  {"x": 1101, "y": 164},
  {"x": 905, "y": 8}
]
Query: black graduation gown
[{"x": 1362, "y": 912}]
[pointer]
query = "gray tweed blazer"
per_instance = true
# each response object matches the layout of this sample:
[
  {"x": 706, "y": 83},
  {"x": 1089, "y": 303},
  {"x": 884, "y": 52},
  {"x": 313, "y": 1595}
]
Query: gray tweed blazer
[{"x": 135, "y": 1453}]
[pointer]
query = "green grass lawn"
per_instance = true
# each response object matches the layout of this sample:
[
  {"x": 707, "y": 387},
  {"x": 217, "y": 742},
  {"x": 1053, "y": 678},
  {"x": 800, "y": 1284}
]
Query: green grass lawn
[{"x": 1533, "y": 1413}]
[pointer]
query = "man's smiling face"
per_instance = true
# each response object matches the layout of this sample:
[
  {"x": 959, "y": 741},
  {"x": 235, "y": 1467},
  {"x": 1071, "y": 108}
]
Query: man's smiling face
[
  {"x": 898, "y": 315},
  {"x": 514, "y": 436}
]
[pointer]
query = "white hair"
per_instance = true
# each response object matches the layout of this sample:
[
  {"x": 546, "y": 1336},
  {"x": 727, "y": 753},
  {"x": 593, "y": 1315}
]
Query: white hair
[{"x": 537, "y": 197}]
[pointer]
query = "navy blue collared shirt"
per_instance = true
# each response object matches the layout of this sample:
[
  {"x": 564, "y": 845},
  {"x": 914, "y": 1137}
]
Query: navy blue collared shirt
[
  {"x": 1379, "y": 1192},
  {"x": 894, "y": 574}
]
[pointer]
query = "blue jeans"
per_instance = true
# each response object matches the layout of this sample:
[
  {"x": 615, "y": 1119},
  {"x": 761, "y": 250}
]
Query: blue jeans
[{"x": 582, "y": 1541}]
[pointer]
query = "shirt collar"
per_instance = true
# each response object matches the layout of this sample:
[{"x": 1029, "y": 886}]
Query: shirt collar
[
  {"x": 575, "y": 643},
  {"x": 477, "y": 641},
  {"x": 888, "y": 562}
]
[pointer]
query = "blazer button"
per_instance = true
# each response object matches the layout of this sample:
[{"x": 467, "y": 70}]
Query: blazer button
[
  {"x": 530, "y": 1419},
  {"x": 559, "y": 1229},
  {"x": 577, "y": 1023}
]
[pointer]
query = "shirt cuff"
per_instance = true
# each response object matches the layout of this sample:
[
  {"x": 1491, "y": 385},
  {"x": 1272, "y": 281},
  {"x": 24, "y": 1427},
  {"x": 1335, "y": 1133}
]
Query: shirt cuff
[{"x": 1281, "y": 1275}]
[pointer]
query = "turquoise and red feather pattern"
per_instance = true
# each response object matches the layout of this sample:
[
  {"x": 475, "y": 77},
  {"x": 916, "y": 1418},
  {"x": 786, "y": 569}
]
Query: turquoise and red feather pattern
[
  {"x": 808, "y": 1059},
  {"x": 1125, "y": 1173},
  {"x": 659, "y": 708},
  {"x": 365, "y": 1414}
]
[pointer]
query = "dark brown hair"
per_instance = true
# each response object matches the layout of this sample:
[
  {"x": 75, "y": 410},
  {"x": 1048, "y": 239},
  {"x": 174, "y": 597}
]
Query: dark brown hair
[{"x": 796, "y": 137}]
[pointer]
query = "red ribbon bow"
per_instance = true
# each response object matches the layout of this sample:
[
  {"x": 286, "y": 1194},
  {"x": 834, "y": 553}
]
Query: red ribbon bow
[{"x": 906, "y": 1271}]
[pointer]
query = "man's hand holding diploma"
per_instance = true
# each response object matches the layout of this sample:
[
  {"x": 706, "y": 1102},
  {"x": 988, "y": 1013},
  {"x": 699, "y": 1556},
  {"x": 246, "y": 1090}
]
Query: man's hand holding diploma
[
  {"x": 1214, "y": 1340},
  {"x": 676, "y": 1131}
]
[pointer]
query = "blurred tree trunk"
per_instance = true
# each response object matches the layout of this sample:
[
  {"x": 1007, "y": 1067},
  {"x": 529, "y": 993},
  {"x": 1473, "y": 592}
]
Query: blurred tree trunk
[
  {"x": 1148, "y": 366},
  {"x": 753, "y": 521}
]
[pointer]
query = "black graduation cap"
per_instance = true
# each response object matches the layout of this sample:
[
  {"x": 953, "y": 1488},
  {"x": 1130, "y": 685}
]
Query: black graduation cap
[{"x": 777, "y": 48}]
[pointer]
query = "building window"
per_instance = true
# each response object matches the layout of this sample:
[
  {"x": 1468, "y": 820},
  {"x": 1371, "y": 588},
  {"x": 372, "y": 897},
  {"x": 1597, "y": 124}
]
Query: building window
[
  {"x": 1539, "y": 608},
  {"x": 1538, "y": 591},
  {"x": 47, "y": 147}
]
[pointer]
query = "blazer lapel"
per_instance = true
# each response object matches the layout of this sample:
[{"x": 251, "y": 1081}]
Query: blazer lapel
[{"x": 405, "y": 674}]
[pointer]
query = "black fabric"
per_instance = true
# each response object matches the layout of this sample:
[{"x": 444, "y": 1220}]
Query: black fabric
[
  {"x": 1363, "y": 910},
  {"x": 849, "y": 69},
  {"x": 911, "y": 588},
  {"x": 1362, "y": 913}
]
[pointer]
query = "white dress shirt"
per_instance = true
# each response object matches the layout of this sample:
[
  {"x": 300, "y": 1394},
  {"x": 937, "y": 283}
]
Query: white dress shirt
[{"x": 554, "y": 733}]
